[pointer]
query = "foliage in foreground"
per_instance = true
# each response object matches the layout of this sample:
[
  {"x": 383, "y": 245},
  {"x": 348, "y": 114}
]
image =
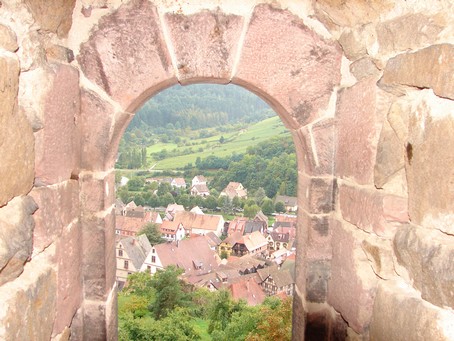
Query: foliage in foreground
[{"x": 163, "y": 307}]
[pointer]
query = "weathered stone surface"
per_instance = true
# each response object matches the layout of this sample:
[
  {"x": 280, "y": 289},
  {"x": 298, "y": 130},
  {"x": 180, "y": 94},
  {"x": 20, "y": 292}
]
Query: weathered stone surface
[
  {"x": 98, "y": 261},
  {"x": 380, "y": 255},
  {"x": 28, "y": 303},
  {"x": 429, "y": 161},
  {"x": 59, "y": 53},
  {"x": 390, "y": 156},
  {"x": 16, "y": 231},
  {"x": 53, "y": 15},
  {"x": 112, "y": 315},
  {"x": 428, "y": 255},
  {"x": 352, "y": 286},
  {"x": 16, "y": 136},
  {"x": 8, "y": 39},
  {"x": 400, "y": 315},
  {"x": 56, "y": 149},
  {"x": 99, "y": 142},
  {"x": 205, "y": 45},
  {"x": 323, "y": 134},
  {"x": 127, "y": 55},
  {"x": 319, "y": 236},
  {"x": 355, "y": 42},
  {"x": 69, "y": 278},
  {"x": 58, "y": 206},
  {"x": 63, "y": 336},
  {"x": 351, "y": 13},
  {"x": 298, "y": 317},
  {"x": 409, "y": 32},
  {"x": 286, "y": 63},
  {"x": 325, "y": 324},
  {"x": 318, "y": 274},
  {"x": 363, "y": 68},
  {"x": 97, "y": 192},
  {"x": 359, "y": 129},
  {"x": 94, "y": 320},
  {"x": 318, "y": 194},
  {"x": 431, "y": 67},
  {"x": 372, "y": 210}
]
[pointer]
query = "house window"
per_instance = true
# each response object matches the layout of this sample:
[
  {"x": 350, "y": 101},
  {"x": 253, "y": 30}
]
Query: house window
[
  {"x": 120, "y": 253},
  {"x": 126, "y": 264},
  {"x": 153, "y": 259},
  {"x": 153, "y": 251}
]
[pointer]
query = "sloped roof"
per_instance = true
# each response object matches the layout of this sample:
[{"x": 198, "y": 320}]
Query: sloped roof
[
  {"x": 234, "y": 189},
  {"x": 169, "y": 227},
  {"x": 173, "y": 208},
  {"x": 248, "y": 290},
  {"x": 243, "y": 263},
  {"x": 233, "y": 238},
  {"x": 212, "y": 239},
  {"x": 285, "y": 217},
  {"x": 281, "y": 277},
  {"x": 201, "y": 188},
  {"x": 196, "y": 210},
  {"x": 187, "y": 252},
  {"x": 288, "y": 201},
  {"x": 252, "y": 226},
  {"x": 198, "y": 221},
  {"x": 137, "y": 249},
  {"x": 280, "y": 237},
  {"x": 200, "y": 178},
  {"x": 260, "y": 216},
  {"x": 254, "y": 241},
  {"x": 130, "y": 224},
  {"x": 179, "y": 181},
  {"x": 237, "y": 224}
]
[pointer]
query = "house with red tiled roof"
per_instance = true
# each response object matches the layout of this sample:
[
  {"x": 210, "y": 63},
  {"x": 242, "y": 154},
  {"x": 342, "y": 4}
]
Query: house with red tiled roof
[
  {"x": 225, "y": 248},
  {"x": 237, "y": 225},
  {"x": 133, "y": 221},
  {"x": 172, "y": 231},
  {"x": 193, "y": 255},
  {"x": 252, "y": 244},
  {"x": 234, "y": 189},
  {"x": 200, "y": 190},
  {"x": 200, "y": 224},
  {"x": 247, "y": 289},
  {"x": 171, "y": 210},
  {"x": 276, "y": 281},
  {"x": 198, "y": 180},
  {"x": 290, "y": 203},
  {"x": 178, "y": 183}
]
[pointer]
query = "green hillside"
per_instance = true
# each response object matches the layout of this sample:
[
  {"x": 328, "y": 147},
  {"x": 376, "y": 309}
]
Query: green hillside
[{"x": 234, "y": 142}]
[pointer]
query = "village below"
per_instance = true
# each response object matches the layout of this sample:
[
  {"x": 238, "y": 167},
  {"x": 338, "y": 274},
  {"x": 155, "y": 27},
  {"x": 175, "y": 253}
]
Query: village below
[{"x": 205, "y": 247}]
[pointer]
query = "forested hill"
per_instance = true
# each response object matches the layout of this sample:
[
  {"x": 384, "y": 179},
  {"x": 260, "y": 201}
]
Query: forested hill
[{"x": 181, "y": 107}]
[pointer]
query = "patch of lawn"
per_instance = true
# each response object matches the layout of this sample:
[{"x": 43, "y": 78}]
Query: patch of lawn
[{"x": 201, "y": 327}]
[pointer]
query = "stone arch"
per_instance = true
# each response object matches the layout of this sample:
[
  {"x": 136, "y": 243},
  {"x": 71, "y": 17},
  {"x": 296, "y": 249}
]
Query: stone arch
[{"x": 137, "y": 51}]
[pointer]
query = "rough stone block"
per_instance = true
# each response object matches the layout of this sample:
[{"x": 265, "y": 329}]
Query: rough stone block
[
  {"x": 16, "y": 222},
  {"x": 400, "y": 315},
  {"x": 371, "y": 210},
  {"x": 352, "y": 286},
  {"x": 318, "y": 274},
  {"x": 318, "y": 194},
  {"x": 298, "y": 317},
  {"x": 112, "y": 315},
  {"x": 287, "y": 64},
  {"x": 379, "y": 252},
  {"x": 408, "y": 32},
  {"x": 364, "y": 68},
  {"x": 390, "y": 156},
  {"x": 58, "y": 206},
  {"x": 97, "y": 192},
  {"x": 69, "y": 277},
  {"x": 94, "y": 320},
  {"x": 319, "y": 236},
  {"x": 205, "y": 45},
  {"x": 354, "y": 42},
  {"x": 428, "y": 256},
  {"x": 98, "y": 261},
  {"x": 28, "y": 303},
  {"x": 8, "y": 39},
  {"x": 130, "y": 67},
  {"x": 16, "y": 136},
  {"x": 431, "y": 67},
  {"x": 358, "y": 131},
  {"x": 59, "y": 21},
  {"x": 100, "y": 128},
  {"x": 57, "y": 152},
  {"x": 429, "y": 162},
  {"x": 325, "y": 324}
]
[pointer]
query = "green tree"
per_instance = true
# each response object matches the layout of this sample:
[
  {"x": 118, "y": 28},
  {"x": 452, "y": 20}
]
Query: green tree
[
  {"x": 267, "y": 206},
  {"x": 153, "y": 233},
  {"x": 279, "y": 207},
  {"x": 259, "y": 195},
  {"x": 251, "y": 211},
  {"x": 136, "y": 184},
  {"x": 169, "y": 291}
]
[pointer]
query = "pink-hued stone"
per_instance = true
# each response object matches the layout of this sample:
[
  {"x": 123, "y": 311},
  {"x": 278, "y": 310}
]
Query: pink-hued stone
[
  {"x": 58, "y": 206},
  {"x": 352, "y": 286},
  {"x": 127, "y": 55},
  {"x": 69, "y": 278},
  {"x": 16, "y": 136},
  {"x": 98, "y": 245},
  {"x": 205, "y": 45},
  {"x": 112, "y": 315},
  {"x": 431, "y": 67},
  {"x": 100, "y": 128},
  {"x": 358, "y": 132},
  {"x": 319, "y": 237},
  {"x": 373, "y": 211},
  {"x": 57, "y": 151},
  {"x": 318, "y": 194},
  {"x": 97, "y": 194},
  {"x": 94, "y": 320},
  {"x": 290, "y": 66}
]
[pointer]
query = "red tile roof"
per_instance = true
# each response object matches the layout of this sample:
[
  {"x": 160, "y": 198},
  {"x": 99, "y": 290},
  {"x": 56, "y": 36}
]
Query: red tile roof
[{"x": 248, "y": 290}]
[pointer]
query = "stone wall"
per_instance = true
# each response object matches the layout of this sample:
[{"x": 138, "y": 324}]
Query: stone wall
[{"x": 366, "y": 89}]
